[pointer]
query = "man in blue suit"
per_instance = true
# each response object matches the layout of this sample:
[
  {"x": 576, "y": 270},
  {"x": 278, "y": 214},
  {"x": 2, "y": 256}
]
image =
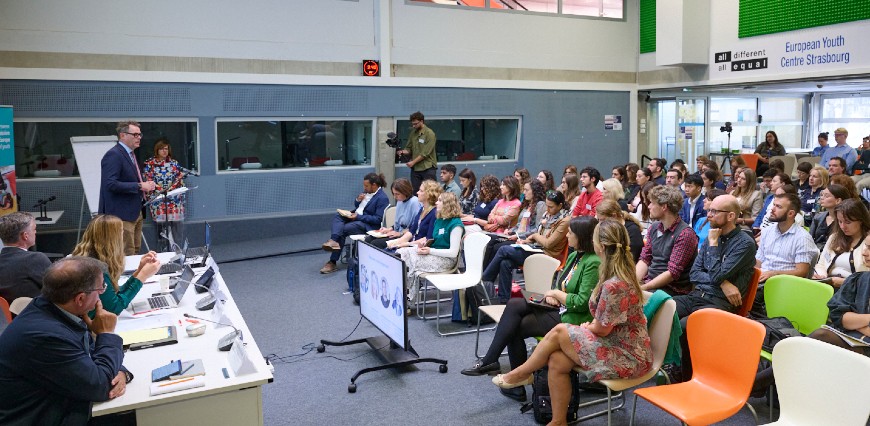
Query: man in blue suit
[
  {"x": 693, "y": 203},
  {"x": 367, "y": 215},
  {"x": 122, "y": 189},
  {"x": 54, "y": 360}
]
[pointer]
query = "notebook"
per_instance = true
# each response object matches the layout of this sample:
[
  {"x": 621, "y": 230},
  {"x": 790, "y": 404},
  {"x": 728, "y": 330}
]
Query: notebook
[
  {"x": 537, "y": 299},
  {"x": 166, "y": 301}
]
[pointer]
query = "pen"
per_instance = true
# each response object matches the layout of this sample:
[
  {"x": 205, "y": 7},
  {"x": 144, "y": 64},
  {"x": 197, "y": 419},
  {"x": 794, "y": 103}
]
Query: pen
[
  {"x": 192, "y": 321},
  {"x": 176, "y": 382}
]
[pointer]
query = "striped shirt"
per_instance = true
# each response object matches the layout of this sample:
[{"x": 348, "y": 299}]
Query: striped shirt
[{"x": 783, "y": 251}]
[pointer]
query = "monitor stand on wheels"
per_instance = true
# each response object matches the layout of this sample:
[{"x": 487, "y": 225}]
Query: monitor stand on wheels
[{"x": 392, "y": 354}]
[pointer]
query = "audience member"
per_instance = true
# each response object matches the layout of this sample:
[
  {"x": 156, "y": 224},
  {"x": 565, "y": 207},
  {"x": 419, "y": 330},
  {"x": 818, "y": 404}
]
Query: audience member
[
  {"x": 785, "y": 249},
  {"x": 841, "y": 149},
  {"x": 642, "y": 177},
  {"x": 823, "y": 221},
  {"x": 421, "y": 149},
  {"x": 448, "y": 173},
  {"x": 850, "y": 309},
  {"x": 504, "y": 214},
  {"x": 841, "y": 255},
  {"x": 442, "y": 255},
  {"x": 610, "y": 210},
  {"x": 570, "y": 188},
  {"x": 823, "y": 145},
  {"x": 700, "y": 161},
  {"x": 590, "y": 198},
  {"x": 769, "y": 148},
  {"x": 489, "y": 195},
  {"x": 55, "y": 361},
  {"x": 693, "y": 206},
  {"x": 846, "y": 182},
  {"x": 104, "y": 240},
  {"x": 631, "y": 185},
  {"x": 470, "y": 194},
  {"x": 709, "y": 180},
  {"x": 764, "y": 186},
  {"x": 862, "y": 166},
  {"x": 722, "y": 270},
  {"x": 532, "y": 211},
  {"x": 803, "y": 178},
  {"x": 778, "y": 165},
  {"x": 122, "y": 189},
  {"x": 569, "y": 170},
  {"x": 836, "y": 166},
  {"x": 520, "y": 320},
  {"x": 670, "y": 247},
  {"x": 614, "y": 345},
  {"x": 777, "y": 181},
  {"x": 818, "y": 181},
  {"x": 702, "y": 226},
  {"x": 423, "y": 221},
  {"x": 523, "y": 176},
  {"x": 657, "y": 167},
  {"x": 798, "y": 219},
  {"x": 21, "y": 269},
  {"x": 368, "y": 213},
  {"x": 674, "y": 178},
  {"x": 549, "y": 237},
  {"x": 407, "y": 209},
  {"x": 748, "y": 197},
  {"x": 546, "y": 178},
  {"x": 618, "y": 173},
  {"x": 642, "y": 213},
  {"x": 732, "y": 184},
  {"x": 611, "y": 189},
  {"x": 167, "y": 175}
]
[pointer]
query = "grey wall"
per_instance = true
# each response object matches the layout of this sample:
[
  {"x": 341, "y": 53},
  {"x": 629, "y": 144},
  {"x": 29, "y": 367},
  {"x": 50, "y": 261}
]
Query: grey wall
[{"x": 558, "y": 128}]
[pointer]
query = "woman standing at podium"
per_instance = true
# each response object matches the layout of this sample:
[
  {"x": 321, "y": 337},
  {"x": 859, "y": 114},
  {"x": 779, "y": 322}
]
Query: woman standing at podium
[{"x": 167, "y": 214}]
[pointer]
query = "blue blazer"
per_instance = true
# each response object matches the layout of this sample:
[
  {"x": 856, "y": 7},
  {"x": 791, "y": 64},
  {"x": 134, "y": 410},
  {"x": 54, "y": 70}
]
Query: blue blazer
[
  {"x": 119, "y": 185},
  {"x": 699, "y": 210},
  {"x": 373, "y": 213},
  {"x": 47, "y": 375}
]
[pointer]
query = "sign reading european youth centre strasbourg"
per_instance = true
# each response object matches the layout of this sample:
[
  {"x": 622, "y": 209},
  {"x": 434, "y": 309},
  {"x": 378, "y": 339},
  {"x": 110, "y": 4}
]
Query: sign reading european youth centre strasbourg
[{"x": 822, "y": 49}]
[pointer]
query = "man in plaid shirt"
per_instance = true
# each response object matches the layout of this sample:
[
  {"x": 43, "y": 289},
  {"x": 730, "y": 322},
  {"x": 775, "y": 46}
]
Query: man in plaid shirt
[{"x": 670, "y": 246}]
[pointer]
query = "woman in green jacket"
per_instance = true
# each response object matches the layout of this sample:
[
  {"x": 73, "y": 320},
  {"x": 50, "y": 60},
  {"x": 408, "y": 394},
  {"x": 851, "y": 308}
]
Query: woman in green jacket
[
  {"x": 104, "y": 240},
  {"x": 521, "y": 319}
]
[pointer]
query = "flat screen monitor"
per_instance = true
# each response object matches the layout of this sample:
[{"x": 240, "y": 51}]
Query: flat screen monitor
[{"x": 382, "y": 292}]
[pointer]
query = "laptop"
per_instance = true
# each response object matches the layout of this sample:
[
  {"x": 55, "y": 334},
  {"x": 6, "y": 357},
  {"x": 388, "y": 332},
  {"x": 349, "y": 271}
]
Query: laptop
[
  {"x": 166, "y": 301},
  {"x": 175, "y": 264},
  {"x": 537, "y": 299},
  {"x": 198, "y": 255}
]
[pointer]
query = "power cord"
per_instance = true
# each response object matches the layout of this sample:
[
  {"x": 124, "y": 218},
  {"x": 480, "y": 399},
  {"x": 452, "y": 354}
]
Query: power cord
[{"x": 308, "y": 347}]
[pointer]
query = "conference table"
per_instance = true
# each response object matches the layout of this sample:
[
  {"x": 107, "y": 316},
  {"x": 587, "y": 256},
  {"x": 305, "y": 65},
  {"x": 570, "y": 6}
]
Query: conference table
[{"x": 236, "y": 399}]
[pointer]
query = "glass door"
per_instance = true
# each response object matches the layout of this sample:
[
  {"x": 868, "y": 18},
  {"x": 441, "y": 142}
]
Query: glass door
[{"x": 690, "y": 131}]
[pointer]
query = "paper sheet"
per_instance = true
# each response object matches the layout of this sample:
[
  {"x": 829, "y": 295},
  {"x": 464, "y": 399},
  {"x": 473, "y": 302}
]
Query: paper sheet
[{"x": 148, "y": 335}]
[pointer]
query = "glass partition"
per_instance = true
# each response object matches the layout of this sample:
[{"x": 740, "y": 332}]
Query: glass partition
[
  {"x": 595, "y": 8},
  {"x": 278, "y": 144},
  {"x": 43, "y": 148}
]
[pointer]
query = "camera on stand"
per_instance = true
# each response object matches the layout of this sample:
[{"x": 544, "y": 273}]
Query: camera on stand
[
  {"x": 726, "y": 128},
  {"x": 393, "y": 142}
]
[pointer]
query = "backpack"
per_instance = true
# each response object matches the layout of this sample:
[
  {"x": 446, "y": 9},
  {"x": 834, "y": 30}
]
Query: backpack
[
  {"x": 474, "y": 298},
  {"x": 353, "y": 277},
  {"x": 776, "y": 329},
  {"x": 540, "y": 404}
]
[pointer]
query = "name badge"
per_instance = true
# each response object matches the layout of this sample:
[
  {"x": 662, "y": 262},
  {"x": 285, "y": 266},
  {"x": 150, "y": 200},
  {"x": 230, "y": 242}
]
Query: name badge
[
  {"x": 589, "y": 207},
  {"x": 659, "y": 234},
  {"x": 527, "y": 214},
  {"x": 441, "y": 231},
  {"x": 483, "y": 205},
  {"x": 421, "y": 140}
]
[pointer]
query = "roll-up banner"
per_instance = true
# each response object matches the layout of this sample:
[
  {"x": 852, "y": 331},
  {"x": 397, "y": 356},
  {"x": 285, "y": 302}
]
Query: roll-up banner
[{"x": 8, "y": 200}]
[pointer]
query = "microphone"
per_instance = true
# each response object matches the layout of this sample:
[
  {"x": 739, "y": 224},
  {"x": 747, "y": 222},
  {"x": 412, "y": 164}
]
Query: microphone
[
  {"x": 226, "y": 342},
  {"x": 45, "y": 201}
]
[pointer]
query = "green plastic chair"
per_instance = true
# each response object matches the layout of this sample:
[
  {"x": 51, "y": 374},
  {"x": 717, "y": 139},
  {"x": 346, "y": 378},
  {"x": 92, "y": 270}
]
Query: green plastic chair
[{"x": 804, "y": 302}]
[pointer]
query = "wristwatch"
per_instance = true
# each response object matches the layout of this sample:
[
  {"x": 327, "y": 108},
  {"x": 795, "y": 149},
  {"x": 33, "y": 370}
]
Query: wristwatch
[{"x": 128, "y": 375}]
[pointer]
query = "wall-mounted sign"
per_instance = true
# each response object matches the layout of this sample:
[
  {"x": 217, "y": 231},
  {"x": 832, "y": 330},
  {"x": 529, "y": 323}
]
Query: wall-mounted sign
[{"x": 371, "y": 68}]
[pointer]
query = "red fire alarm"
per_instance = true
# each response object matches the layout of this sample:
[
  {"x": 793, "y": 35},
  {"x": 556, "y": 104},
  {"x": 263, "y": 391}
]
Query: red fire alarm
[{"x": 371, "y": 68}]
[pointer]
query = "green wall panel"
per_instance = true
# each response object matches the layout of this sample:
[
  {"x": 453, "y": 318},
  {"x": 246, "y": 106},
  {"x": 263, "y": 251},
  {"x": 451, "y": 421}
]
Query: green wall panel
[
  {"x": 759, "y": 17},
  {"x": 647, "y": 26}
]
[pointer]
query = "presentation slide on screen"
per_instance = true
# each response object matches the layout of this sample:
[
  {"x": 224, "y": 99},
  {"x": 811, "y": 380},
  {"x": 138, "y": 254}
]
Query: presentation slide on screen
[{"x": 381, "y": 292}]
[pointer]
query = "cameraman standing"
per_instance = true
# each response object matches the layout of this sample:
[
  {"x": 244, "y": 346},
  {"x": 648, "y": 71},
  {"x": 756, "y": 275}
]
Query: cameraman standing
[{"x": 421, "y": 149}]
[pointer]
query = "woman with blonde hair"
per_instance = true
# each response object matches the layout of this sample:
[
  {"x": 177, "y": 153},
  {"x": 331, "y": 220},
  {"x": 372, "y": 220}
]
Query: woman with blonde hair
[
  {"x": 818, "y": 180},
  {"x": 748, "y": 197},
  {"x": 104, "y": 240},
  {"x": 610, "y": 210},
  {"x": 614, "y": 345},
  {"x": 442, "y": 254},
  {"x": 612, "y": 190},
  {"x": 420, "y": 229}
]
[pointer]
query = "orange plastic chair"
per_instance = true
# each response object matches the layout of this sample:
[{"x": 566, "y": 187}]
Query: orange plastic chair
[
  {"x": 750, "y": 294},
  {"x": 724, "y": 365},
  {"x": 4, "y": 306},
  {"x": 751, "y": 160}
]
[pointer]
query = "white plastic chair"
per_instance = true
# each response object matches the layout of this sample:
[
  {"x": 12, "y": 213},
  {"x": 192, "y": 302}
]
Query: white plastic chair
[
  {"x": 819, "y": 383},
  {"x": 538, "y": 270},
  {"x": 389, "y": 217},
  {"x": 474, "y": 247},
  {"x": 19, "y": 304},
  {"x": 660, "y": 336}
]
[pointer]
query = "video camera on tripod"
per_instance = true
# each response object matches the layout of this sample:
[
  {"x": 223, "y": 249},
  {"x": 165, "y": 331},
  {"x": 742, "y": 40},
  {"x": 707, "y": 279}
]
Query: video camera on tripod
[{"x": 393, "y": 142}]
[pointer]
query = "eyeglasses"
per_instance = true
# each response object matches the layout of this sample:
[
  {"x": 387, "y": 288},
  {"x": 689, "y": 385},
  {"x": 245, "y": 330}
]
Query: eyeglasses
[
  {"x": 99, "y": 289},
  {"x": 135, "y": 135},
  {"x": 714, "y": 212}
]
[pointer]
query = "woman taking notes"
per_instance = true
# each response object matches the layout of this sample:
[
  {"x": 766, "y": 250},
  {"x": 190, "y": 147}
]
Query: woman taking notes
[{"x": 841, "y": 255}]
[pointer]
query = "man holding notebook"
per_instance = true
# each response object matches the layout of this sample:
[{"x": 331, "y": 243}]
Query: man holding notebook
[{"x": 52, "y": 369}]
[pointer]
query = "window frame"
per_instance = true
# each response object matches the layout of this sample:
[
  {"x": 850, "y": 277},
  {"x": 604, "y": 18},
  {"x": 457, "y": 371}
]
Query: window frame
[
  {"x": 371, "y": 154},
  {"x": 115, "y": 121},
  {"x": 486, "y": 7}
]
